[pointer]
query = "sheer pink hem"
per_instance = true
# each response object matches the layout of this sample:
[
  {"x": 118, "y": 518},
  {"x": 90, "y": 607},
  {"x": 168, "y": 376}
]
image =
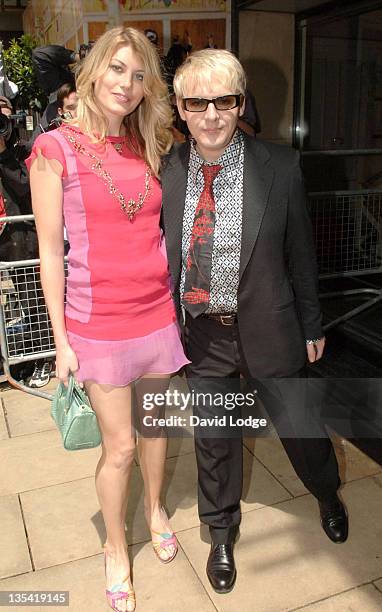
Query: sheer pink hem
[{"x": 120, "y": 362}]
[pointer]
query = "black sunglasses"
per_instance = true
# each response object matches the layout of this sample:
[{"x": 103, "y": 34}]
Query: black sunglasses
[{"x": 222, "y": 103}]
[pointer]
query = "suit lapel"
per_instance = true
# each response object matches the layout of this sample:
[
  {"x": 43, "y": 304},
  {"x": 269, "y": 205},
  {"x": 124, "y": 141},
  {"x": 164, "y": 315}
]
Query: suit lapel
[
  {"x": 174, "y": 185},
  {"x": 257, "y": 182}
]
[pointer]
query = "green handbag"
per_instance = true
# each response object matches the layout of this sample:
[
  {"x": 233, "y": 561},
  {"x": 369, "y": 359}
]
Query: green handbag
[{"x": 74, "y": 417}]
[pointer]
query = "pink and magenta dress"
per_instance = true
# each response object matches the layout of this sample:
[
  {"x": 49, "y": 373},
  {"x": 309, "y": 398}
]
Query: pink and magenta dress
[{"x": 119, "y": 313}]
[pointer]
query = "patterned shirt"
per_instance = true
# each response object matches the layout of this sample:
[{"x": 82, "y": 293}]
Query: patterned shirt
[{"x": 228, "y": 195}]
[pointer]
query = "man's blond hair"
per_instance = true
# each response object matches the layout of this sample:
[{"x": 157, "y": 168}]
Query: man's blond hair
[{"x": 202, "y": 66}]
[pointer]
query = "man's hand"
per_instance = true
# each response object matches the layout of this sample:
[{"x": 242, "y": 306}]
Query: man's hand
[
  {"x": 3, "y": 145},
  {"x": 315, "y": 350}
]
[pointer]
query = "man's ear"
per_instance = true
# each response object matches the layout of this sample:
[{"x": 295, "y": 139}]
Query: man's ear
[
  {"x": 181, "y": 109},
  {"x": 242, "y": 107},
  {"x": 60, "y": 111}
]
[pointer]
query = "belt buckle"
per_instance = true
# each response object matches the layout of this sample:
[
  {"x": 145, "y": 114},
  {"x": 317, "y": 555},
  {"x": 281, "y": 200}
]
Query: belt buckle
[{"x": 229, "y": 318}]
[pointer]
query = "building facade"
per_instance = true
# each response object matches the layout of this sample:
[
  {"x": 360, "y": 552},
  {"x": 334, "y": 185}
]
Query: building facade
[{"x": 74, "y": 22}]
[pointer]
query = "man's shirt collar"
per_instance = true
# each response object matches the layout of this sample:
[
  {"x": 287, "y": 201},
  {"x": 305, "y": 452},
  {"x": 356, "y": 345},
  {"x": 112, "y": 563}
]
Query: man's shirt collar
[{"x": 230, "y": 158}]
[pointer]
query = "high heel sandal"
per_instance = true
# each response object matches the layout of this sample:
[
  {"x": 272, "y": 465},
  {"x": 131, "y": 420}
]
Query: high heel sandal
[
  {"x": 118, "y": 592},
  {"x": 167, "y": 539}
]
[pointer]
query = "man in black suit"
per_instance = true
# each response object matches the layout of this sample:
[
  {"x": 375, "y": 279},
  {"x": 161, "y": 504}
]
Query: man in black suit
[{"x": 241, "y": 256}]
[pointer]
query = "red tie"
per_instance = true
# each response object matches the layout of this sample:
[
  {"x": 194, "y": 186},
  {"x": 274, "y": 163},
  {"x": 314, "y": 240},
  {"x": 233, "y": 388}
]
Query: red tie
[{"x": 196, "y": 294}]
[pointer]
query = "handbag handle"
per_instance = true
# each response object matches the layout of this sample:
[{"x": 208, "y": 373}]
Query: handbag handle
[
  {"x": 74, "y": 390},
  {"x": 69, "y": 389}
]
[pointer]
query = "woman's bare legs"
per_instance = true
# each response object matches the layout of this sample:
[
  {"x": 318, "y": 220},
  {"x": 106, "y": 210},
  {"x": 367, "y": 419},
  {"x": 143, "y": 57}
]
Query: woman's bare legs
[
  {"x": 113, "y": 408},
  {"x": 152, "y": 455}
]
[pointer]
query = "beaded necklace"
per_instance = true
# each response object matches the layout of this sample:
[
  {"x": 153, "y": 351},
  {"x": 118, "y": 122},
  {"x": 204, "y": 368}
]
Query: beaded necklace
[{"x": 131, "y": 207}]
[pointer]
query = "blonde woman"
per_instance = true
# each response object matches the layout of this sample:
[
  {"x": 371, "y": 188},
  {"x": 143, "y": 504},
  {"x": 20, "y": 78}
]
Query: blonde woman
[{"x": 99, "y": 177}]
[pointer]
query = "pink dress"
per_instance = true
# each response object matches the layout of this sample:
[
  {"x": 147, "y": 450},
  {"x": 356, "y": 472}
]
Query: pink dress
[{"x": 119, "y": 313}]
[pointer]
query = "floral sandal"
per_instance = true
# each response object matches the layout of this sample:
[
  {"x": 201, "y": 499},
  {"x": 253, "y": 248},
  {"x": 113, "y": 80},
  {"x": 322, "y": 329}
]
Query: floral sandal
[
  {"x": 119, "y": 591},
  {"x": 166, "y": 540}
]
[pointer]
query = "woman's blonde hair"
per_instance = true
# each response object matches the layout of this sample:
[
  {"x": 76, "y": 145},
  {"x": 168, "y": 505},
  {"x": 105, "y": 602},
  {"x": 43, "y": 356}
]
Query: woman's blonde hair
[
  {"x": 148, "y": 126},
  {"x": 202, "y": 66}
]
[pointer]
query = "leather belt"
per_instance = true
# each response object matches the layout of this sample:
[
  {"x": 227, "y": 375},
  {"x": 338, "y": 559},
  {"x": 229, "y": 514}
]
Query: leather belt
[{"x": 229, "y": 318}]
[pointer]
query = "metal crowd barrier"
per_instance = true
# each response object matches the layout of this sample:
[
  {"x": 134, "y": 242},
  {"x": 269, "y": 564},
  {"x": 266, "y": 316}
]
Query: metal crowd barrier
[
  {"x": 25, "y": 329},
  {"x": 348, "y": 233}
]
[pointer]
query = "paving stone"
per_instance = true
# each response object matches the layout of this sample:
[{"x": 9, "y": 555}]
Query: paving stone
[
  {"x": 353, "y": 463},
  {"x": 365, "y": 598},
  {"x": 260, "y": 488},
  {"x": 284, "y": 559},
  {"x": 3, "y": 426},
  {"x": 53, "y": 512},
  {"x": 155, "y": 585},
  {"x": 39, "y": 460},
  {"x": 27, "y": 414},
  {"x": 14, "y": 557}
]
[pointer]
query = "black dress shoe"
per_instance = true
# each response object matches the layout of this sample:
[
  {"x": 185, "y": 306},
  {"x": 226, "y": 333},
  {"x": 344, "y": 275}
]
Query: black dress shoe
[
  {"x": 221, "y": 570},
  {"x": 334, "y": 519}
]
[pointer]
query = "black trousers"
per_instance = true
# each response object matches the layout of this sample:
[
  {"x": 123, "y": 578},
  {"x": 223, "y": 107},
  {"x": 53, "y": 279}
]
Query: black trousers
[{"x": 218, "y": 363}]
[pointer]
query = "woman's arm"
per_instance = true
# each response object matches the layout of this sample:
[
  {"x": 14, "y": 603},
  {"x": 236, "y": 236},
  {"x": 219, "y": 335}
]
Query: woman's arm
[{"x": 47, "y": 198}]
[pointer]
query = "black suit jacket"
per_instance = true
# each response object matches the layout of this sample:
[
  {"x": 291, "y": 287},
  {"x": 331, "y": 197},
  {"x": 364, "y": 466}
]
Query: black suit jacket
[{"x": 278, "y": 305}]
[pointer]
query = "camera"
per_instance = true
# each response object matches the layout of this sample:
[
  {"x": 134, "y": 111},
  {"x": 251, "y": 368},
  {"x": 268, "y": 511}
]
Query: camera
[
  {"x": 85, "y": 49},
  {"x": 11, "y": 122},
  {"x": 56, "y": 122}
]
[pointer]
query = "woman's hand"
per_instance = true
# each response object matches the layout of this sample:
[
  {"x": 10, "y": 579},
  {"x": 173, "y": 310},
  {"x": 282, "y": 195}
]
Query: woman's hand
[{"x": 66, "y": 363}]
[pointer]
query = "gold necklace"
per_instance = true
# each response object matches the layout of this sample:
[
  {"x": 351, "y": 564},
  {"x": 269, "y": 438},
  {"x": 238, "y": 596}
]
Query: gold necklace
[{"x": 131, "y": 207}]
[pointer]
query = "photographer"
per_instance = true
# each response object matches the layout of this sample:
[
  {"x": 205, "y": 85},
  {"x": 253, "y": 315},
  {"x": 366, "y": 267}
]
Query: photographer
[
  {"x": 14, "y": 180},
  {"x": 52, "y": 64},
  {"x": 67, "y": 100},
  {"x": 18, "y": 241},
  {"x": 66, "y": 106}
]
